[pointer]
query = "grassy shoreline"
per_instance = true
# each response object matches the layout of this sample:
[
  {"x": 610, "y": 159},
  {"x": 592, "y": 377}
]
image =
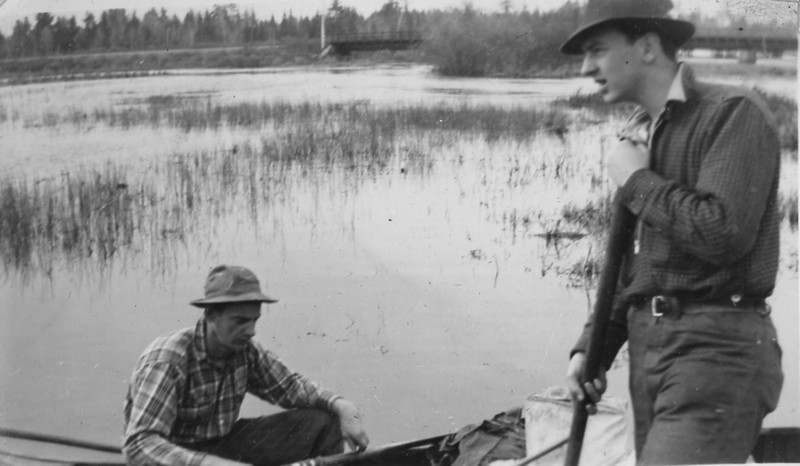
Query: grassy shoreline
[{"x": 107, "y": 65}]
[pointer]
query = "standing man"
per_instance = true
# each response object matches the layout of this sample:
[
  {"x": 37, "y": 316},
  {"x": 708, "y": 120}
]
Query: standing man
[
  {"x": 698, "y": 165},
  {"x": 186, "y": 390}
]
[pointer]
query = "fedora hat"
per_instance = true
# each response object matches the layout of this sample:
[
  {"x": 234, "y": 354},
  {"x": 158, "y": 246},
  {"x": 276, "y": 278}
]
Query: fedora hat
[
  {"x": 646, "y": 15},
  {"x": 231, "y": 284}
]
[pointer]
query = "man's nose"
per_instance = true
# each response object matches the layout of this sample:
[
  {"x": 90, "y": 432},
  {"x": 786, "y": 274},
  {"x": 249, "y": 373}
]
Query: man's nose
[
  {"x": 588, "y": 67},
  {"x": 250, "y": 330}
]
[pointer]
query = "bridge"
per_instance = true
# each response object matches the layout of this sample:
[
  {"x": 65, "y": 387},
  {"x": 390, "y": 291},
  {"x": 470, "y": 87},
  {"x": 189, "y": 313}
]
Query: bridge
[
  {"x": 733, "y": 39},
  {"x": 343, "y": 44}
]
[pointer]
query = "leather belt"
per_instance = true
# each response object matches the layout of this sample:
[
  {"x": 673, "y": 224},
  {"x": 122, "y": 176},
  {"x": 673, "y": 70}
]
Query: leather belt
[{"x": 674, "y": 306}]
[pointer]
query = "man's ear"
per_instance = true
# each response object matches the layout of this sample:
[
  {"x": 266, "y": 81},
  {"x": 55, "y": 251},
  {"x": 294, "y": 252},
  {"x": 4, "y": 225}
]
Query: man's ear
[
  {"x": 650, "y": 46},
  {"x": 213, "y": 312}
]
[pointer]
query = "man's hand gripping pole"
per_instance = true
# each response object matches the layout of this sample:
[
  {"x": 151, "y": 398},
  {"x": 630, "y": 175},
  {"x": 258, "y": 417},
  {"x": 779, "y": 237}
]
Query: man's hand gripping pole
[{"x": 623, "y": 223}]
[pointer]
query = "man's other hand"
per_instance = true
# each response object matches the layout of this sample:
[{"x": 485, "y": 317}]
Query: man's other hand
[
  {"x": 593, "y": 390},
  {"x": 625, "y": 157},
  {"x": 350, "y": 421},
  {"x": 211, "y": 460}
]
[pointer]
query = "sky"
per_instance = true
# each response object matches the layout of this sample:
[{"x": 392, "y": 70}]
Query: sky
[{"x": 12, "y": 10}]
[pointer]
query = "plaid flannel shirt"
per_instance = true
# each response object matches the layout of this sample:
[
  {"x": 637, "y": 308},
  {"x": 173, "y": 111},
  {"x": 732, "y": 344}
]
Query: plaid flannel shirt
[
  {"x": 707, "y": 207},
  {"x": 179, "y": 396}
]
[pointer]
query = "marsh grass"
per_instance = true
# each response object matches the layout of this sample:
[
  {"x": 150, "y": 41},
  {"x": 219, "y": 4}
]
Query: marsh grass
[
  {"x": 494, "y": 123},
  {"x": 108, "y": 214},
  {"x": 102, "y": 214},
  {"x": 92, "y": 215},
  {"x": 785, "y": 112},
  {"x": 191, "y": 114},
  {"x": 788, "y": 209}
]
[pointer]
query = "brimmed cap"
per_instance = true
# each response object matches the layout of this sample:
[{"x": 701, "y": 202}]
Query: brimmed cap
[
  {"x": 647, "y": 15},
  {"x": 231, "y": 284}
]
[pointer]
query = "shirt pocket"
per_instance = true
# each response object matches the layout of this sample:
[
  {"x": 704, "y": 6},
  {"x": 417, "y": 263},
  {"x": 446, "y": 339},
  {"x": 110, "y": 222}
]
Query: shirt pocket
[{"x": 197, "y": 407}]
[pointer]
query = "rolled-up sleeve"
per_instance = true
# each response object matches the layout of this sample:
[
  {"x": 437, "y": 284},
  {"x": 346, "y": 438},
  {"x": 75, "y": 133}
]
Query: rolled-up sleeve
[{"x": 271, "y": 380}]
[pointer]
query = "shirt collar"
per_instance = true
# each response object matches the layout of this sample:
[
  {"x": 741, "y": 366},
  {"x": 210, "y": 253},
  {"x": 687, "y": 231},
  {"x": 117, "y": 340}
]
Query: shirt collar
[
  {"x": 677, "y": 93},
  {"x": 639, "y": 125},
  {"x": 200, "y": 339}
]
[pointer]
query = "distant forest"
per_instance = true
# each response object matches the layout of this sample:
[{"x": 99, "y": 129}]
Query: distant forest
[
  {"x": 225, "y": 25},
  {"x": 458, "y": 41}
]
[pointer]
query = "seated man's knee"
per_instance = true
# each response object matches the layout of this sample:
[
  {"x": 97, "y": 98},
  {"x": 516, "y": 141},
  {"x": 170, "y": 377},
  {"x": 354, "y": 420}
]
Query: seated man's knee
[
  {"x": 322, "y": 418},
  {"x": 329, "y": 434}
]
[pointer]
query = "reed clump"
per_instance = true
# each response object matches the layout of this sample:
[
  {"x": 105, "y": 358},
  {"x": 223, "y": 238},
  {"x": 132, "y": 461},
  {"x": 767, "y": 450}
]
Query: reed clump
[{"x": 93, "y": 215}]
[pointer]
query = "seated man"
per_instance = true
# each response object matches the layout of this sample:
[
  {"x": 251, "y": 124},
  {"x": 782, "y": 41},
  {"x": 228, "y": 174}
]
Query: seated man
[{"x": 187, "y": 388}]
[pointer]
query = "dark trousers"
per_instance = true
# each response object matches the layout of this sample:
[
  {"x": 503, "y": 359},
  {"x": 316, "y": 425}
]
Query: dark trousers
[
  {"x": 281, "y": 438},
  {"x": 701, "y": 383}
]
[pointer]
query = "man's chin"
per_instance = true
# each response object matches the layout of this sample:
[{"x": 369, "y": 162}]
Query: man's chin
[
  {"x": 236, "y": 346},
  {"x": 609, "y": 97}
]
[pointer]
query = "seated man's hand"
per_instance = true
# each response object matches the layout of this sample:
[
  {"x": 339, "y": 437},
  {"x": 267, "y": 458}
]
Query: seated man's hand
[
  {"x": 350, "y": 422},
  {"x": 593, "y": 390}
]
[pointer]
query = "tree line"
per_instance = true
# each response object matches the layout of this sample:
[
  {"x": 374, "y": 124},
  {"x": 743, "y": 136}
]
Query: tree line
[{"x": 225, "y": 25}]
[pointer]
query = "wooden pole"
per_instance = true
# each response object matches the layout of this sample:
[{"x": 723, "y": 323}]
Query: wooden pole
[
  {"x": 541, "y": 454},
  {"x": 45, "y": 438},
  {"x": 623, "y": 223}
]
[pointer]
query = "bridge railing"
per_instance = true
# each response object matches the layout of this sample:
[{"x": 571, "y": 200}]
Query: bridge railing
[
  {"x": 741, "y": 39},
  {"x": 375, "y": 37},
  {"x": 736, "y": 33}
]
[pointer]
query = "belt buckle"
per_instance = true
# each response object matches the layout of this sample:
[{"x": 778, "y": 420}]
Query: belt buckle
[{"x": 654, "y": 305}]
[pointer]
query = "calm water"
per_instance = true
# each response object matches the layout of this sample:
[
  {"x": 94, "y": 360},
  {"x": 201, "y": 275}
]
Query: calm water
[{"x": 406, "y": 292}]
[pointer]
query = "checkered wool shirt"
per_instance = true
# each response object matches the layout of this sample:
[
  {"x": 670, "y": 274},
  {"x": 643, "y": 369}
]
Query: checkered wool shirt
[
  {"x": 707, "y": 207},
  {"x": 178, "y": 395}
]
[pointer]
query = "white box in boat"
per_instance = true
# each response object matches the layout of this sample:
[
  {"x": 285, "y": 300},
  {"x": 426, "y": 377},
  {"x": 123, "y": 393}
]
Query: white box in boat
[{"x": 609, "y": 433}]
